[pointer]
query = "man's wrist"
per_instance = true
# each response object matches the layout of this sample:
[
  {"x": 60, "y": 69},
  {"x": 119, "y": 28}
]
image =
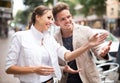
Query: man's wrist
[{"x": 106, "y": 57}]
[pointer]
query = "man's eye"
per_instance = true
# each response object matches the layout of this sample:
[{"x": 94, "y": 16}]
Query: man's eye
[
  {"x": 68, "y": 16},
  {"x": 62, "y": 19}
]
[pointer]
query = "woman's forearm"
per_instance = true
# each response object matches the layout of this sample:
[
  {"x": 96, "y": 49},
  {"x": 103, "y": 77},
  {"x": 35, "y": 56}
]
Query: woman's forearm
[
  {"x": 20, "y": 70},
  {"x": 74, "y": 54},
  {"x": 93, "y": 41}
]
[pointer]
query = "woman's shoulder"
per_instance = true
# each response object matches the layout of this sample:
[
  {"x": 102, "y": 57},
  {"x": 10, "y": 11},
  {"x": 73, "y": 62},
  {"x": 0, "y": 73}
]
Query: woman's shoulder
[{"x": 21, "y": 34}]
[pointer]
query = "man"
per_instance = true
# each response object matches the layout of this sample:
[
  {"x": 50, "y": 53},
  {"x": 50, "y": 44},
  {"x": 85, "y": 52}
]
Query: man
[{"x": 73, "y": 36}]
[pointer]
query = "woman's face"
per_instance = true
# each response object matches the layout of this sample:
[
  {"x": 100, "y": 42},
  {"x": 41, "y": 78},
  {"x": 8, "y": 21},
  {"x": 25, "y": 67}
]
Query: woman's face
[{"x": 44, "y": 21}]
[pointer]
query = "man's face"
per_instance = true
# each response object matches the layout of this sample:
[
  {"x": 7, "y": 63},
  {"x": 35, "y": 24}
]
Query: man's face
[{"x": 64, "y": 20}]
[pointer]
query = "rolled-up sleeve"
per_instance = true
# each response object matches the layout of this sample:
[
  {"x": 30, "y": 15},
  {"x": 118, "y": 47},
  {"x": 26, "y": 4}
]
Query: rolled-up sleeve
[
  {"x": 13, "y": 52},
  {"x": 61, "y": 52}
]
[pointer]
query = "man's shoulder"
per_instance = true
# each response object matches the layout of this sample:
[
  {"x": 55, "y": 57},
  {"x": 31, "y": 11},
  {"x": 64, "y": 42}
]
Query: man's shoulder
[
  {"x": 84, "y": 31},
  {"x": 57, "y": 32},
  {"x": 82, "y": 27}
]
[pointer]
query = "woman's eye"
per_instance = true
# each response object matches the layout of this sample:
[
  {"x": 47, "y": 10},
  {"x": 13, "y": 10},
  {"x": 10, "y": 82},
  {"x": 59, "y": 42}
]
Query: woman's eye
[
  {"x": 52, "y": 19},
  {"x": 49, "y": 17}
]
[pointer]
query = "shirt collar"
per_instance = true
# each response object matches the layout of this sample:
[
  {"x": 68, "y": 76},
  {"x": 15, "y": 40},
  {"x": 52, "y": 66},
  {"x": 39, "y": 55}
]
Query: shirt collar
[{"x": 39, "y": 35}]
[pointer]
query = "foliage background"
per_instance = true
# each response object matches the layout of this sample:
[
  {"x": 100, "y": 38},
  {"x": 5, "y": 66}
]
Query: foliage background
[{"x": 89, "y": 7}]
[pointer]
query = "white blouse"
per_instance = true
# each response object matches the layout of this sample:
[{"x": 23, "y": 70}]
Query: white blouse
[{"x": 33, "y": 48}]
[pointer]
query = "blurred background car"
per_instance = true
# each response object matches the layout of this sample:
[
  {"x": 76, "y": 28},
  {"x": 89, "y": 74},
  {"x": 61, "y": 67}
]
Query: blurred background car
[
  {"x": 114, "y": 52},
  {"x": 114, "y": 49}
]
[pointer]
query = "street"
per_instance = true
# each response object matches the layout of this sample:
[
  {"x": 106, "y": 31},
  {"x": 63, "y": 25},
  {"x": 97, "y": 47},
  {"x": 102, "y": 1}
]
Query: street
[{"x": 5, "y": 78}]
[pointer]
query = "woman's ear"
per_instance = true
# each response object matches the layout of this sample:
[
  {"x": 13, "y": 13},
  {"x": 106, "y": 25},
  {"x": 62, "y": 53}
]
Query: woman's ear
[{"x": 37, "y": 17}]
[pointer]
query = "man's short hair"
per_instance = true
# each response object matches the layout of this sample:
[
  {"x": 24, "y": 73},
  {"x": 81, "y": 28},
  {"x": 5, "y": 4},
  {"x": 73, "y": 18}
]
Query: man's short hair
[{"x": 59, "y": 7}]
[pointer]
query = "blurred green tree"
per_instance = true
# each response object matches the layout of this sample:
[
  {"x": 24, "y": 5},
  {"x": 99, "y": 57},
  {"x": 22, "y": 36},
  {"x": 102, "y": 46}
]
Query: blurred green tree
[
  {"x": 23, "y": 16},
  {"x": 97, "y": 7}
]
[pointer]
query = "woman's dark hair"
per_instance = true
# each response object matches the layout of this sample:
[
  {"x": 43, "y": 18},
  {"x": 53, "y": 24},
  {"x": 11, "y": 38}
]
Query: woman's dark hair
[{"x": 39, "y": 10}]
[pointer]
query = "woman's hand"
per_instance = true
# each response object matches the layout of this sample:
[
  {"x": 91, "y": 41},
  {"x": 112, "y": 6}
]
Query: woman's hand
[
  {"x": 97, "y": 39},
  {"x": 44, "y": 70}
]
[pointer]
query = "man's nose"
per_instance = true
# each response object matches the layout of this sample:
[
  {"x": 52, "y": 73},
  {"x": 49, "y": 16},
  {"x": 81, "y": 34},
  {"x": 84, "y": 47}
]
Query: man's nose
[{"x": 66, "y": 19}]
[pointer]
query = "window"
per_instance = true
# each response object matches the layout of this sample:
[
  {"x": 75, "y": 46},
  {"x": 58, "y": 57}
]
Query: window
[{"x": 6, "y": 4}]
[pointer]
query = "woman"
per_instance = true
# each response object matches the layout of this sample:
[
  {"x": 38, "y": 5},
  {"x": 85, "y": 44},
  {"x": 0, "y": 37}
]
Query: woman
[{"x": 33, "y": 54}]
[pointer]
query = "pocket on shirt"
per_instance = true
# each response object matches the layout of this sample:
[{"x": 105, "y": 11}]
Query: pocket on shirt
[
  {"x": 27, "y": 54},
  {"x": 28, "y": 49},
  {"x": 30, "y": 54}
]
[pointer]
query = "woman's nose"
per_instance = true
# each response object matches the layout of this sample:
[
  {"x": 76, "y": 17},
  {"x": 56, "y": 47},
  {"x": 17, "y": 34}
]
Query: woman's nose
[{"x": 51, "y": 22}]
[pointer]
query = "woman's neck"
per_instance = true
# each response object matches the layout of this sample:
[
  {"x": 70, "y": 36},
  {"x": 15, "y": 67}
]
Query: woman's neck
[{"x": 38, "y": 28}]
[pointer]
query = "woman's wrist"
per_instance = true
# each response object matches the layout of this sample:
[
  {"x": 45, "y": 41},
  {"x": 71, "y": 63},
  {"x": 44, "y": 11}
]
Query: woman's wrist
[
  {"x": 88, "y": 45},
  {"x": 33, "y": 69}
]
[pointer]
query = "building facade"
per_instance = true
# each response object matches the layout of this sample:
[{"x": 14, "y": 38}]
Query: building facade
[
  {"x": 6, "y": 8},
  {"x": 112, "y": 14}
]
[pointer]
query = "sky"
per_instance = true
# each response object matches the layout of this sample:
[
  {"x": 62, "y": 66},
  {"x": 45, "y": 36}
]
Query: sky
[{"x": 18, "y": 5}]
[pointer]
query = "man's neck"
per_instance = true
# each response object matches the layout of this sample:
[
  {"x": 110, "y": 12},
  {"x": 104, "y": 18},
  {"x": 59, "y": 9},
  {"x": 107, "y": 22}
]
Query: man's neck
[{"x": 66, "y": 34}]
